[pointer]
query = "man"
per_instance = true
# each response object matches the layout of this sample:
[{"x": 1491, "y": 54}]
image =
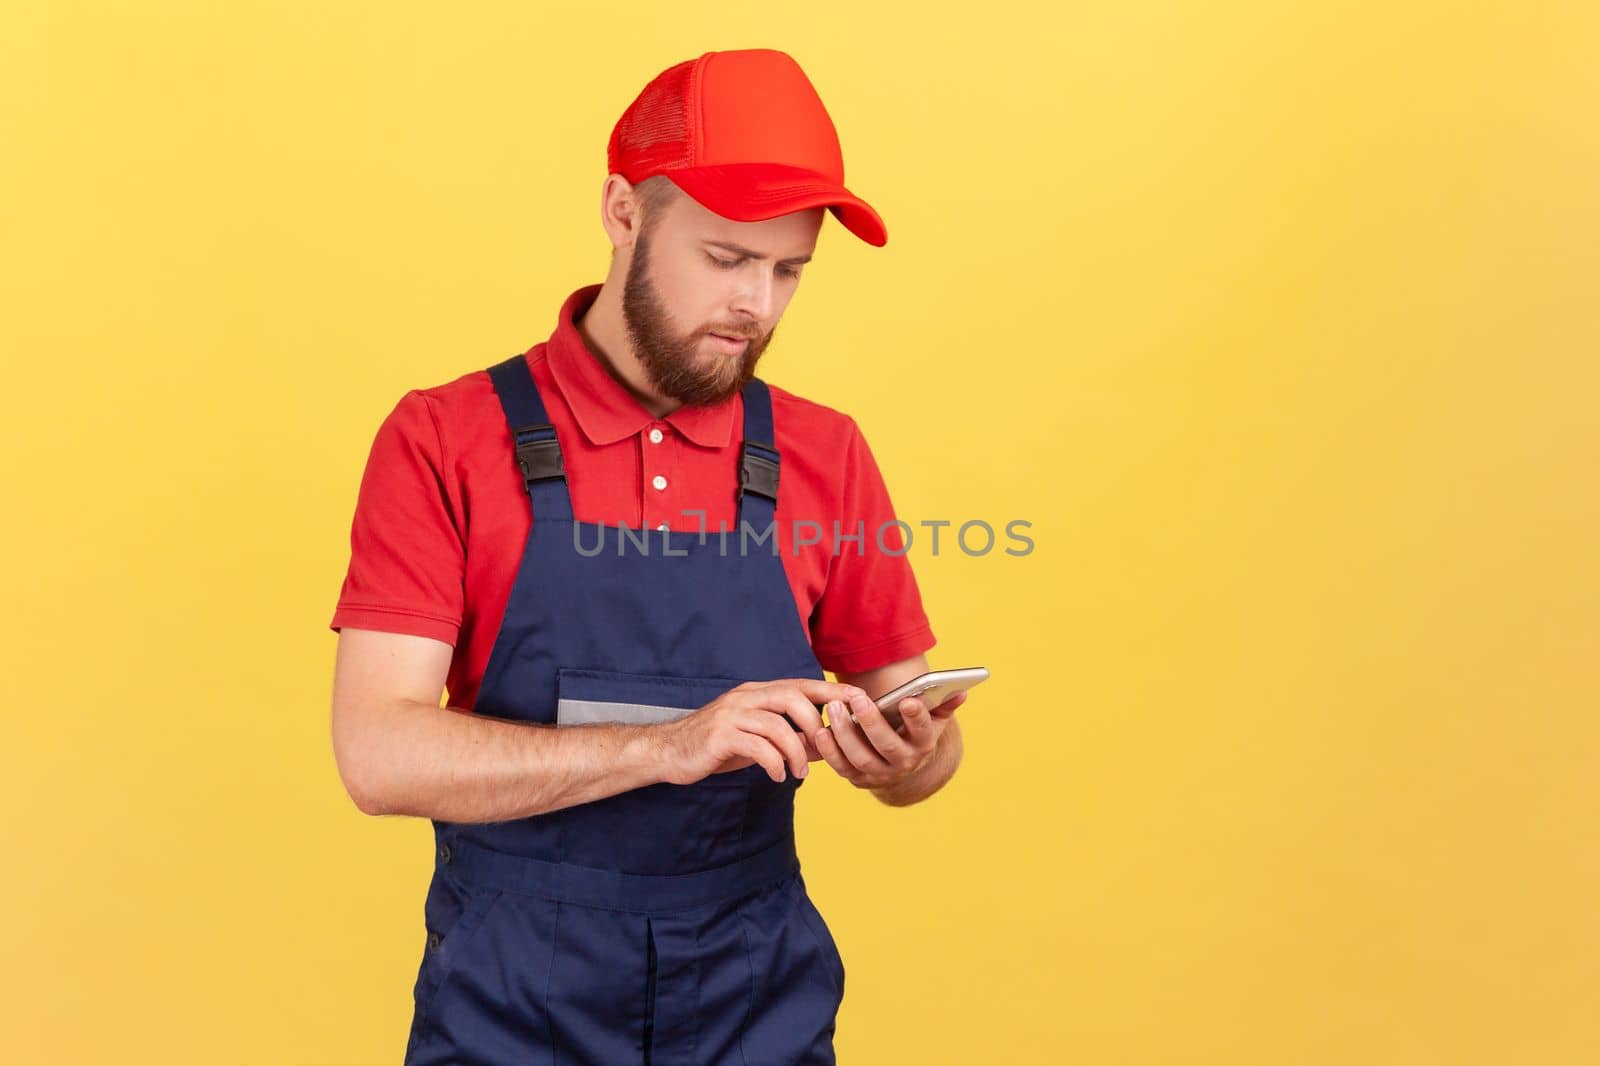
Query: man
[{"x": 587, "y": 545}]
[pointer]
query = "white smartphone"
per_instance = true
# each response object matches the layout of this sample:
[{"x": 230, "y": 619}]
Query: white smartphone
[{"x": 932, "y": 688}]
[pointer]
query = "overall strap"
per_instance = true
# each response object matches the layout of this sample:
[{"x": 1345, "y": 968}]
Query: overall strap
[
  {"x": 757, "y": 496},
  {"x": 538, "y": 451}
]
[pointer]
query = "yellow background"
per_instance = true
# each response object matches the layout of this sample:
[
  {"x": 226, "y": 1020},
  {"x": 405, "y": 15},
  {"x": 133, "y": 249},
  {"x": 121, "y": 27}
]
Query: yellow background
[{"x": 1278, "y": 322}]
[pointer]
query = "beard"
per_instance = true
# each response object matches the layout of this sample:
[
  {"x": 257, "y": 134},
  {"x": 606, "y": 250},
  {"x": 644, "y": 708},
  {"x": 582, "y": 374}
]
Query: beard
[{"x": 676, "y": 364}]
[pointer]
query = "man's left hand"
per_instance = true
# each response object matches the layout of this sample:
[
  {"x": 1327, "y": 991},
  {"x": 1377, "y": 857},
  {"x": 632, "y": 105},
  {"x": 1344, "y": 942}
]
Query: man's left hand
[{"x": 869, "y": 752}]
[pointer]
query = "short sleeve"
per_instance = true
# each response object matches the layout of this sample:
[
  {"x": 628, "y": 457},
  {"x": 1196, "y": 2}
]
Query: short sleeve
[
  {"x": 407, "y": 555},
  {"x": 870, "y": 612}
]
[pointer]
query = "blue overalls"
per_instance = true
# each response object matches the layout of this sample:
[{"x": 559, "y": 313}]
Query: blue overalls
[{"x": 668, "y": 924}]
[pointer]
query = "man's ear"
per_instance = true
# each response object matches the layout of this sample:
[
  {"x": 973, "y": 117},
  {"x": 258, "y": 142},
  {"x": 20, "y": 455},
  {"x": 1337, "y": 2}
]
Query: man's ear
[{"x": 619, "y": 211}]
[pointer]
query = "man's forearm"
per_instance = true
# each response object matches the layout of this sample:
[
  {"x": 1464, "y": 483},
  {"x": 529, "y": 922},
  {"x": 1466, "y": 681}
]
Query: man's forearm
[
  {"x": 453, "y": 766},
  {"x": 931, "y": 776}
]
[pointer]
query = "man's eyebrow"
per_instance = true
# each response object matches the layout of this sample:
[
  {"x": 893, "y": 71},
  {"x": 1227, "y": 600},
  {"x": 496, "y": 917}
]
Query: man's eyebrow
[{"x": 751, "y": 253}]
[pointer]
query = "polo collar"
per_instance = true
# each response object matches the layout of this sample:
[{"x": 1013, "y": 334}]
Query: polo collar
[{"x": 605, "y": 410}]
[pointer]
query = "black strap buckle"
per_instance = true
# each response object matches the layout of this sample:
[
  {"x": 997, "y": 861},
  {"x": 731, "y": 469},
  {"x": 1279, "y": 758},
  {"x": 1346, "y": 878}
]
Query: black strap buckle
[
  {"x": 758, "y": 471},
  {"x": 538, "y": 452}
]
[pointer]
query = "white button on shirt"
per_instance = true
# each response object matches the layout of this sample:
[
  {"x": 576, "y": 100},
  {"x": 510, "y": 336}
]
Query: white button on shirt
[
  {"x": 662, "y": 527},
  {"x": 655, "y": 437},
  {"x": 659, "y": 482}
]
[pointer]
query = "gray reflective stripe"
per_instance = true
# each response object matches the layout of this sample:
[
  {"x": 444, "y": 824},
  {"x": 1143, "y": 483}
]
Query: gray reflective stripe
[{"x": 577, "y": 712}]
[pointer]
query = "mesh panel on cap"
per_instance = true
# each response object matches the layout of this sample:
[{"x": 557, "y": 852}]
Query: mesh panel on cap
[{"x": 654, "y": 132}]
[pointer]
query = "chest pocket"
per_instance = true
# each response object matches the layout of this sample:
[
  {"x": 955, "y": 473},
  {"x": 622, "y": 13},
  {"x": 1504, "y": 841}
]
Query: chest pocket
[{"x": 664, "y": 827}]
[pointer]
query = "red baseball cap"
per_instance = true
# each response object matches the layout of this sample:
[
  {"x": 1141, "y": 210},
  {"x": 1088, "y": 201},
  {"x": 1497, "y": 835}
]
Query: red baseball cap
[{"x": 745, "y": 134}]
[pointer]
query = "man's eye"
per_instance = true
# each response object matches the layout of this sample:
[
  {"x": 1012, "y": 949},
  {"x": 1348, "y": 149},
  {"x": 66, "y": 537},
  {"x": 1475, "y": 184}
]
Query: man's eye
[{"x": 729, "y": 264}]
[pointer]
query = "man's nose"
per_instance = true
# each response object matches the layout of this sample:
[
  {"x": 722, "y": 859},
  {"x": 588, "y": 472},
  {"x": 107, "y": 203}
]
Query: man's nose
[{"x": 755, "y": 300}]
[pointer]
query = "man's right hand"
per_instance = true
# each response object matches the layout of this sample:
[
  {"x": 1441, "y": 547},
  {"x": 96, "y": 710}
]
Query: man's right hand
[{"x": 748, "y": 724}]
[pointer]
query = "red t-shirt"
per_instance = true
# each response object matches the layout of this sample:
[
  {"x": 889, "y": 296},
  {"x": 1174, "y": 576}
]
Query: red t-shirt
[{"x": 443, "y": 512}]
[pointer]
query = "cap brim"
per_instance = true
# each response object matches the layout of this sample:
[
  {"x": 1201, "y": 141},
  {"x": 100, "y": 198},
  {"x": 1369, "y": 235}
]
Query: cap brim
[{"x": 753, "y": 192}]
